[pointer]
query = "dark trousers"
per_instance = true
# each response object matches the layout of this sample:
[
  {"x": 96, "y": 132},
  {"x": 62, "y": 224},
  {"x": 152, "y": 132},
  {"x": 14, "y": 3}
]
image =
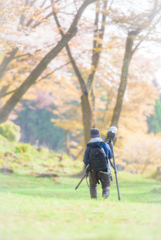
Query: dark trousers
[{"x": 105, "y": 182}]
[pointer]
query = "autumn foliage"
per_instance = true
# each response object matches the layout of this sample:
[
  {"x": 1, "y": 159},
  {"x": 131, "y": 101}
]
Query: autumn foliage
[{"x": 88, "y": 57}]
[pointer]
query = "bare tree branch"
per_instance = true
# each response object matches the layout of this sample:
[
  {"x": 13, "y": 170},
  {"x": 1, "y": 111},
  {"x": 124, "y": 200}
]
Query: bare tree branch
[
  {"x": 6, "y": 61},
  {"x": 22, "y": 18},
  {"x": 4, "y": 90},
  {"x": 57, "y": 69},
  {"x": 5, "y": 94},
  {"x": 111, "y": 4},
  {"x": 42, "y": 3},
  {"x": 96, "y": 54},
  {"x": 75, "y": 5},
  {"x": 29, "y": 54},
  {"x": 133, "y": 51},
  {"x": 80, "y": 79},
  {"x": 136, "y": 47},
  {"x": 37, "y": 24},
  {"x": 12, "y": 53},
  {"x": 23, "y": 55},
  {"x": 32, "y": 20},
  {"x": 95, "y": 30},
  {"x": 72, "y": 14}
]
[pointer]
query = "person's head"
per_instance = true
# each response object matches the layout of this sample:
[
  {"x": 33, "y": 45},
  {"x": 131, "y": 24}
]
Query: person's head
[{"x": 94, "y": 133}]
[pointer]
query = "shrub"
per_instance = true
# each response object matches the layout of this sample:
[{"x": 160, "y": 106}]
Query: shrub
[
  {"x": 24, "y": 148},
  {"x": 142, "y": 150},
  {"x": 10, "y": 131}
]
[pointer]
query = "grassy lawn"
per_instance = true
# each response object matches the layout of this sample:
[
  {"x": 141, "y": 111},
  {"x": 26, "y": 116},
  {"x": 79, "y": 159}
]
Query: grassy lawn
[{"x": 39, "y": 208}]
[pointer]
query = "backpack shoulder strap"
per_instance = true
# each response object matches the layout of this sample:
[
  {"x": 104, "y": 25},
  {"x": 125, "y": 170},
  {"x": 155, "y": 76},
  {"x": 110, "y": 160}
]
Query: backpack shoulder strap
[
  {"x": 103, "y": 148},
  {"x": 90, "y": 147},
  {"x": 94, "y": 145}
]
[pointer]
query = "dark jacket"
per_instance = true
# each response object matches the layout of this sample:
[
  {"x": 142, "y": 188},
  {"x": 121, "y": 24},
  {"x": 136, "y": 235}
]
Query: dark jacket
[{"x": 106, "y": 148}]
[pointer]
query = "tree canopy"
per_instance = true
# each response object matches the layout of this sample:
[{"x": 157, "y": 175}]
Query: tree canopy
[{"x": 89, "y": 56}]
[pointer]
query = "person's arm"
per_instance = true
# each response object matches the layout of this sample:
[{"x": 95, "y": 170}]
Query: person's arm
[
  {"x": 86, "y": 156},
  {"x": 108, "y": 150},
  {"x": 108, "y": 153}
]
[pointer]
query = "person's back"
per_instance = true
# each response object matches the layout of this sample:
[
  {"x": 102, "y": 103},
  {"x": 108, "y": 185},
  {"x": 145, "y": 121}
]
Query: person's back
[{"x": 96, "y": 174}]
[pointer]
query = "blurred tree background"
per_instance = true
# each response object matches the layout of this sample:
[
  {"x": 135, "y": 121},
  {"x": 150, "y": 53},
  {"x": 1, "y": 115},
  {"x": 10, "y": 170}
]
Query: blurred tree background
[
  {"x": 67, "y": 66},
  {"x": 37, "y": 129},
  {"x": 154, "y": 121}
]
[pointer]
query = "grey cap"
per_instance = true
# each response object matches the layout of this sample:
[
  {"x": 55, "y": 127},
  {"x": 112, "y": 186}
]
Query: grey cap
[{"x": 94, "y": 133}]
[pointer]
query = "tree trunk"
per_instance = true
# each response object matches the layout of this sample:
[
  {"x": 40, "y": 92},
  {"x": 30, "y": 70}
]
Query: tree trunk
[
  {"x": 93, "y": 98},
  {"x": 123, "y": 81},
  {"x": 67, "y": 140},
  {"x": 4, "y": 90},
  {"x": 125, "y": 68},
  {"x": 95, "y": 59},
  {"x": 85, "y": 101},
  {"x": 87, "y": 116},
  {"x": 15, "y": 98},
  {"x": 6, "y": 61}
]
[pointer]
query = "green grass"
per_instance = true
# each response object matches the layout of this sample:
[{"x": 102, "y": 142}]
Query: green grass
[
  {"x": 24, "y": 158},
  {"x": 35, "y": 208}
]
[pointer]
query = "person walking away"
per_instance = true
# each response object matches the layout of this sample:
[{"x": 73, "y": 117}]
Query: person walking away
[{"x": 97, "y": 155}]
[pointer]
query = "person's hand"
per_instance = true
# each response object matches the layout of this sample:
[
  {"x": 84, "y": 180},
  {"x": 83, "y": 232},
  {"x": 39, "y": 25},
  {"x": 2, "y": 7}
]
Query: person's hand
[{"x": 87, "y": 169}]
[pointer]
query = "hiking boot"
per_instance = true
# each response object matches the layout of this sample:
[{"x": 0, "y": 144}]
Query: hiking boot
[
  {"x": 106, "y": 193},
  {"x": 93, "y": 191}
]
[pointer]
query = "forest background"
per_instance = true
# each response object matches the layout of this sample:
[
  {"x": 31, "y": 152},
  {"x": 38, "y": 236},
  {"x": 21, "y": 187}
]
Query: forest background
[{"x": 70, "y": 65}]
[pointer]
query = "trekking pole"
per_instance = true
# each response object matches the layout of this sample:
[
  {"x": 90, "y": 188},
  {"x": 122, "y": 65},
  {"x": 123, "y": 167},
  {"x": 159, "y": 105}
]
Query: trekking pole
[
  {"x": 85, "y": 175},
  {"x": 111, "y": 136},
  {"x": 117, "y": 184},
  {"x": 80, "y": 182}
]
